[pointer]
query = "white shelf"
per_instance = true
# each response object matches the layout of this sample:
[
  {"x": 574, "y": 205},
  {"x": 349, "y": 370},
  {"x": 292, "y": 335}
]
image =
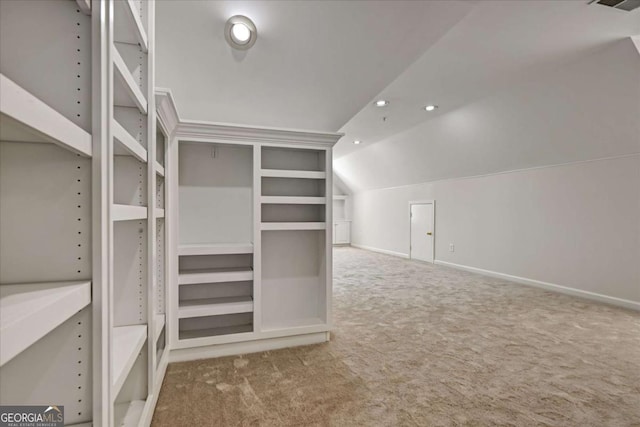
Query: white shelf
[
  {"x": 28, "y": 312},
  {"x": 212, "y": 332},
  {"x": 215, "y": 275},
  {"x": 159, "y": 168},
  {"x": 127, "y": 344},
  {"x": 125, "y": 144},
  {"x": 268, "y": 226},
  {"x": 215, "y": 249},
  {"x": 127, "y": 93},
  {"x": 280, "y": 173},
  {"x": 159, "y": 324},
  {"x": 84, "y": 6},
  {"x": 128, "y": 27},
  {"x": 159, "y": 213},
  {"x": 289, "y": 200},
  {"x": 128, "y": 414},
  {"x": 215, "y": 307},
  {"x": 128, "y": 212},
  {"x": 25, "y": 118}
]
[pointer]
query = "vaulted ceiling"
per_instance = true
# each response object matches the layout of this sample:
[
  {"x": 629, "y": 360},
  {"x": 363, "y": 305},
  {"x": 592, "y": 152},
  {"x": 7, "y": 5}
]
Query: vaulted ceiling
[{"x": 321, "y": 64}]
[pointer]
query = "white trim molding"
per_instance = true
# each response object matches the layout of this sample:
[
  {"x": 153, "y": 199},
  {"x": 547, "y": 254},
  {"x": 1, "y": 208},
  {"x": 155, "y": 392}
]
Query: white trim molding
[
  {"x": 382, "y": 251},
  {"x": 547, "y": 286},
  {"x": 166, "y": 111}
]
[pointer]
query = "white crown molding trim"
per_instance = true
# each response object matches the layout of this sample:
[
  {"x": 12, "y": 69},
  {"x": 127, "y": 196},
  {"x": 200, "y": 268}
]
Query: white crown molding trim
[
  {"x": 382, "y": 251},
  {"x": 192, "y": 130},
  {"x": 547, "y": 286},
  {"x": 167, "y": 112}
]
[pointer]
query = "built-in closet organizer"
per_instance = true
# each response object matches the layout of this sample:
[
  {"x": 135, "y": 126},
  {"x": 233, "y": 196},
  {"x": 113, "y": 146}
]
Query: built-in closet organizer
[
  {"x": 252, "y": 263},
  {"x": 46, "y": 333},
  {"x": 82, "y": 236}
]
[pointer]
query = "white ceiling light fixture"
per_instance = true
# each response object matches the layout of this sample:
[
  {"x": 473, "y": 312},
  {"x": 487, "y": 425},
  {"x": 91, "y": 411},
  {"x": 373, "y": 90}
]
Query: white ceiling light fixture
[
  {"x": 430, "y": 107},
  {"x": 357, "y": 141},
  {"x": 381, "y": 103},
  {"x": 240, "y": 32}
]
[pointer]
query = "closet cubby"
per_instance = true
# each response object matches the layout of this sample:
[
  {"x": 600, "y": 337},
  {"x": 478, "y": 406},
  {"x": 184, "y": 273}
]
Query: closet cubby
[
  {"x": 46, "y": 335},
  {"x": 294, "y": 291},
  {"x": 293, "y": 162}
]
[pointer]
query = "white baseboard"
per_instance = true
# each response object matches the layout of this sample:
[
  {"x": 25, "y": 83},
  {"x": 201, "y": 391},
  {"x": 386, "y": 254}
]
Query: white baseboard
[
  {"x": 382, "y": 251},
  {"x": 246, "y": 347},
  {"x": 548, "y": 286}
]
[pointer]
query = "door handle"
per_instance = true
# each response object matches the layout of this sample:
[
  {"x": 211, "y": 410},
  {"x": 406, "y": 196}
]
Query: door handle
[{"x": 429, "y": 233}]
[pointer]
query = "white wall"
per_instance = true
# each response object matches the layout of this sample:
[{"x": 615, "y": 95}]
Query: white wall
[{"x": 576, "y": 225}]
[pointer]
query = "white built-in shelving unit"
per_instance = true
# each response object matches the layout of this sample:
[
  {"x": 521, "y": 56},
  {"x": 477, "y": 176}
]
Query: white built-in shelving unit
[
  {"x": 82, "y": 272},
  {"x": 46, "y": 277},
  {"x": 249, "y": 245}
]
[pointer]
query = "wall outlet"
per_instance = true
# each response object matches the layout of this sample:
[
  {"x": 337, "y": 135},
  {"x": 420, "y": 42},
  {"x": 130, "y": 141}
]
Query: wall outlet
[{"x": 452, "y": 247}]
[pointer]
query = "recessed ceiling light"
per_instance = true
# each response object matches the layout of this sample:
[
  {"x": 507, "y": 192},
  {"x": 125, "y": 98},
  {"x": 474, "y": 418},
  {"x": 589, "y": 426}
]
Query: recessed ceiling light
[
  {"x": 381, "y": 103},
  {"x": 430, "y": 107},
  {"x": 357, "y": 141},
  {"x": 240, "y": 32}
]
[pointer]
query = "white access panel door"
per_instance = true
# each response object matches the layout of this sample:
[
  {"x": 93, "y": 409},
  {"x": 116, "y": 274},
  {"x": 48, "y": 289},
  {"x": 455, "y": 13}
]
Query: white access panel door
[
  {"x": 422, "y": 216},
  {"x": 341, "y": 233}
]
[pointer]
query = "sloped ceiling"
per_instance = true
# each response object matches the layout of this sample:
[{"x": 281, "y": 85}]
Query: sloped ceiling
[{"x": 314, "y": 65}]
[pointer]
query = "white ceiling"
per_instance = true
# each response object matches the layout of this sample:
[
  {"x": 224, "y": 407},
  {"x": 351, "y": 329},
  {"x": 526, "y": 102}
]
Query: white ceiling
[
  {"x": 314, "y": 65},
  {"x": 496, "y": 45}
]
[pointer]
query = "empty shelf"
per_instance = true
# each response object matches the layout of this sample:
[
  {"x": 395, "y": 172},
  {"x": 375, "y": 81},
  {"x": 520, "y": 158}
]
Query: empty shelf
[
  {"x": 125, "y": 144},
  {"x": 159, "y": 168},
  {"x": 266, "y": 226},
  {"x": 159, "y": 213},
  {"x": 126, "y": 90},
  {"x": 289, "y": 200},
  {"x": 128, "y": 212},
  {"x": 215, "y": 249},
  {"x": 128, "y": 414},
  {"x": 25, "y": 118},
  {"x": 30, "y": 311},
  {"x": 128, "y": 27},
  {"x": 212, "y": 332},
  {"x": 84, "y": 6},
  {"x": 127, "y": 343},
  {"x": 215, "y": 275},
  {"x": 214, "y": 307},
  {"x": 158, "y": 326},
  {"x": 280, "y": 173}
]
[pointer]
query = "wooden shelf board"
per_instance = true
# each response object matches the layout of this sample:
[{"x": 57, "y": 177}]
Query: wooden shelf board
[
  {"x": 212, "y": 332},
  {"x": 25, "y": 118},
  {"x": 290, "y": 200},
  {"x": 159, "y": 168},
  {"x": 215, "y": 275},
  {"x": 128, "y": 27},
  {"x": 128, "y": 414},
  {"x": 214, "y": 307},
  {"x": 128, "y": 212},
  {"x": 159, "y": 213},
  {"x": 127, "y": 344},
  {"x": 158, "y": 326},
  {"x": 281, "y": 173},
  {"x": 215, "y": 249},
  {"x": 28, "y": 312},
  {"x": 127, "y": 93},
  {"x": 270, "y": 226},
  {"x": 127, "y": 145},
  {"x": 84, "y": 6}
]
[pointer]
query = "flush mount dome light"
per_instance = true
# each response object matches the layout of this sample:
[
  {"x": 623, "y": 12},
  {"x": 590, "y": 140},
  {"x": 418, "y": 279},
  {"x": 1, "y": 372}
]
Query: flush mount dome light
[
  {"x": 240, "y": 32},
  {"x": 381, "y": 103},
  {"x": 357, "y": 141},
  {"x": 430, "y": 107}
]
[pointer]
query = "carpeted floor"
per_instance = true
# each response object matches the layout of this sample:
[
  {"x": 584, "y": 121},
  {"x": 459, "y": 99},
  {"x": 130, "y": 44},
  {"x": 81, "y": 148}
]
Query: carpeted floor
[{"x": 422, "y": 345}]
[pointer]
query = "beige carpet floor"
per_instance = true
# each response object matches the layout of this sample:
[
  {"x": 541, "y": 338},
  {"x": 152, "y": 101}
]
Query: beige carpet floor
[{"x": 422, "y": 345}]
